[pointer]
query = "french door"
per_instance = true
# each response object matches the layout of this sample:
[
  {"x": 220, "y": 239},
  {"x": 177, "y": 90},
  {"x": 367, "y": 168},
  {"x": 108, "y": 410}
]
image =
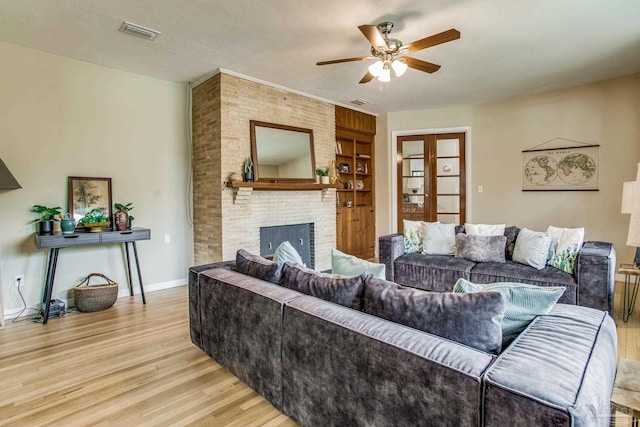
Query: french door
[{"x": 431, "y": 178}]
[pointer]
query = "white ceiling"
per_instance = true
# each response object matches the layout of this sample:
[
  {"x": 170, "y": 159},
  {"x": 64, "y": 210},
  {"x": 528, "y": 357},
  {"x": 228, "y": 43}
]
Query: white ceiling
[{"x": 507, "y": 47}]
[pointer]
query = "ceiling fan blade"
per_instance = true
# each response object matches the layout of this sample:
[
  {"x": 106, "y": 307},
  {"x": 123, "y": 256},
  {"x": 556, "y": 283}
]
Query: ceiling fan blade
[
  {"x": 337, "y": 61},
  {"x": 421, "y": 65},
  {"x": 372, "y": 34},
  {"x": 436, "y": 39},
  {"x": 367, "y": 78}
]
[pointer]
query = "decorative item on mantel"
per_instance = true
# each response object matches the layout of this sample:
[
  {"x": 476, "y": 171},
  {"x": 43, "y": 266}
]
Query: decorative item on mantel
[
  {"x": 122, "y": 218},
  {"x": 248, "y": 170},
  {"x": 47, "y": 216},
  {"x": 323, "y": 173},
  {"x": 333, "y": 173}
]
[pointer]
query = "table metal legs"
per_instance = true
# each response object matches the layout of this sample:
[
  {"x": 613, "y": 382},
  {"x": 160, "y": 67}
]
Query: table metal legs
[
  {"x": 48, "y": 284},
  {"x": 135, "y": 253},
  {"x": 629, "y": 296}
]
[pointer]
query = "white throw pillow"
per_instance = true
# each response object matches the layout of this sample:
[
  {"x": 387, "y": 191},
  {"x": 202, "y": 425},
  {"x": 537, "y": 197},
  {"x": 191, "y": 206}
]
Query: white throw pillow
[
  {"x": 412, "y": 231},
  {"x": 439, "y": 239},
  {"x": 566, "y": 243},
  {"x": 285, "y": 252},
  {"x": 484, "y": 229},
  {"x": 349, "y": 265},
  {"x": 532, "y": 248}
]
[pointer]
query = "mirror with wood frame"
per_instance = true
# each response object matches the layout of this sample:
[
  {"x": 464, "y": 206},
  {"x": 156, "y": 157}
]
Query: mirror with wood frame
[{"x": 282, "y": 153}]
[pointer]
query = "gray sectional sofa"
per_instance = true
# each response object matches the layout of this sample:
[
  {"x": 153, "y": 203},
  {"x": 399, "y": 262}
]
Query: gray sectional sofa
[
  {"x": 590, "y": 285},
  {"x": 324, "y": 364}
]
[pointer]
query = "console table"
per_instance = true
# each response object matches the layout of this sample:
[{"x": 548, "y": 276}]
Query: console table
[{"x": 55, "y": 242}]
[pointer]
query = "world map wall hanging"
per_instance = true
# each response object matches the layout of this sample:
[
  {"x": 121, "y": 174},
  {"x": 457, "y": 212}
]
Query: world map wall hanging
[{"x": 560, "y": 169}]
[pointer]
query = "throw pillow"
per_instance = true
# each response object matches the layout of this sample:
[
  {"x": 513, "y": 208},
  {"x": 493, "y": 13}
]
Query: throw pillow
[
  {"x": 484, "y": 229},
  {"x": 523, "y": 303},
  {"x": 473, "y": 319},
  {"x": 258, "y": 267},
  {"x": 565, "y": 247},
  {"x": 439, "y": 239},
  {"x": 343, "y": 290},
  {"x": 285, "y": 252},
  {"x": 532, "y": 248},
  {"x": 480, "y": 248},
  {"x": 349, "y": 265},
  {"x": 412, "y": 231},
  {"x": 511, "y": 233}
]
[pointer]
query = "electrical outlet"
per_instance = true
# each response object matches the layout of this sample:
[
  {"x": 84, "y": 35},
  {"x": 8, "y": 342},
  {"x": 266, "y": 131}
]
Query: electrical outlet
[{"x": 19, "y": 280}]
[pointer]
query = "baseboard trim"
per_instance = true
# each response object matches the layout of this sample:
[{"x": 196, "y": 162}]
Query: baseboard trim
[{"x": 123, "y": 292}]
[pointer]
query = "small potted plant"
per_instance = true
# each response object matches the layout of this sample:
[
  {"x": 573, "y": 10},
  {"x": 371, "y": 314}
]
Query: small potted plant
[
  {"x": 47, "y": 216},
  {"x": 323, "y": 173},
  {"x": 248, "y": 170},
  {"x": 122, "y": 218}
]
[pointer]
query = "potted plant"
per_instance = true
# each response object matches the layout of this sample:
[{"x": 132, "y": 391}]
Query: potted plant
[
  {"x": 248, "y": 170},
  {"x": 122, "y": 218},
  {"x": 47, "y": 216},
  {"x": 323, "y": 173}
]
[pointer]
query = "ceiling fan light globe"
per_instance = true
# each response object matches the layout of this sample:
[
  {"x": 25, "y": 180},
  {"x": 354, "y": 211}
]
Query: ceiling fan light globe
[
  {"x": 385, "y": 76},
  {"x": 376, "y": 68},
  {"x": 399, "y": 67}
]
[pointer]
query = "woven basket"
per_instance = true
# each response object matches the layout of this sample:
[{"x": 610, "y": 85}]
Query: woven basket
[{"x": 95, "y": 297}]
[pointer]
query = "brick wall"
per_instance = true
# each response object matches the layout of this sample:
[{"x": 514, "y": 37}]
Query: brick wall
[{"x": 222, "y": 143}]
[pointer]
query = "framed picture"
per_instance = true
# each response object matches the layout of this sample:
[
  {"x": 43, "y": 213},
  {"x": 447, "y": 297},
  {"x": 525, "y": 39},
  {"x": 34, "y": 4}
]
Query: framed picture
[
  {"x": 344, "y": 168},
  {"x": 86, "y": 194}
]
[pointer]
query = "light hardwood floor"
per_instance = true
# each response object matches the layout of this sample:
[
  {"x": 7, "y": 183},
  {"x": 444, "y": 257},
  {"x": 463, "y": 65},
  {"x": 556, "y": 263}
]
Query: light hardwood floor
[{"x": 135, "y": 365}]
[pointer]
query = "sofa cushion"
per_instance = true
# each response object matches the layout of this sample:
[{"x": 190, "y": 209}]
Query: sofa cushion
[
  {"x": 523, "y": 303},
  {"x": 491, "y": 272},
  {"x": 343, "y": 290},
  {"x": 511, "y": 233},
  {"x": 480, "y": 248},
  {"x": 285, "y": 252},
  {"x": 566, "y": 242},
  {"x": 471, "y": 319},
  {"x": 438, "y": 239},
  {"x": 258, "y": 267},
  {"x": 349, "y": 265},
  {"x": 432, "y": 272},
  {"x": 412, "y": 232},
  {"x": 484, "y": 229},
  {"x": 532, "y": 248}
]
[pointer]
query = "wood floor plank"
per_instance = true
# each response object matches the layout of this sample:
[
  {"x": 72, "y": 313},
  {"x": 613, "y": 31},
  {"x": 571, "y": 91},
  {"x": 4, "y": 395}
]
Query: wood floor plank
[{"x": 134, "y": 364}]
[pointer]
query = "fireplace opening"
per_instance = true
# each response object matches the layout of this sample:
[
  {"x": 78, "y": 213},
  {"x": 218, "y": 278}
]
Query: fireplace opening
[{"x": 301, "y": 237}]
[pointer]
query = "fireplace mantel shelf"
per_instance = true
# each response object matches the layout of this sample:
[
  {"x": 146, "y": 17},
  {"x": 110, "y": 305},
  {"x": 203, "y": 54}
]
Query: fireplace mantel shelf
[{"x": 243, "y": 190}]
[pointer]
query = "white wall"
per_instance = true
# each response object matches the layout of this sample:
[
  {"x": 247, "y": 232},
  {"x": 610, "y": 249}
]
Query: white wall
[
  {"x": 59, "y": 118},
  {"x": 605, "y": 113}
]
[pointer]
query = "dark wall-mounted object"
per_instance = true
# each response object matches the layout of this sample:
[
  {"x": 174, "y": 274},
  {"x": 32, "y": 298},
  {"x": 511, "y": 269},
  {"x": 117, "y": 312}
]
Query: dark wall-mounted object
[{"x": 7, "y": 181}]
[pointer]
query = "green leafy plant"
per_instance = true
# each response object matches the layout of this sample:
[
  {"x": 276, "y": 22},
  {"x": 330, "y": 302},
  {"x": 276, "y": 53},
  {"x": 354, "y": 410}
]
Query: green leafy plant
[
  {"x": 121, "y": 207},
  {"x": 248, "y": 165},
  {"x": 323, "y": 171},
  {"x": 46, "y": 214},
  {"x": 94, "y": 217}
]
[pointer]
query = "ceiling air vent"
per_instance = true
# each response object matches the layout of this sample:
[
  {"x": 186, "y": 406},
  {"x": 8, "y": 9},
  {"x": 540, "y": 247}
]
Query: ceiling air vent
[
  {"x": 359, "y": 101},
  {"x": 139, "y": 31}
]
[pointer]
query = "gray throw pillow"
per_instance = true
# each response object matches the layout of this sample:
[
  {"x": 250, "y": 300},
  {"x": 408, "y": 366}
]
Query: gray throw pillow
[
  {"x": 511, "y": 233},
  {"x": 258, "y": 267},
  {"x": 438, "y": 239},
  {"x": 480, "y": 248},
  {"x": 343, "y": 290},
  {"x": 523, "y": 303},
  {"x": 474, "y": 320}
]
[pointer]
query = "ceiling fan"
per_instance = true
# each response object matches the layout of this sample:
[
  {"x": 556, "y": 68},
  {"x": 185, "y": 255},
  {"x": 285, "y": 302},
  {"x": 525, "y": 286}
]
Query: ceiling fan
[{"x": 391, "y": 52}]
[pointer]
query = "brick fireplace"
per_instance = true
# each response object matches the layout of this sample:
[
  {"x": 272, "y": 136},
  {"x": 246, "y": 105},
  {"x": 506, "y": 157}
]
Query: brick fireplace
[{"x": 223, "y": 105}]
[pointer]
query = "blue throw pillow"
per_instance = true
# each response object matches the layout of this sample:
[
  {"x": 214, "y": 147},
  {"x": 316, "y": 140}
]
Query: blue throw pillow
[
  {"x": 285, "y": 252},
  {"x": 349, "y": 265},
  {"x": 523, "y": 303}
]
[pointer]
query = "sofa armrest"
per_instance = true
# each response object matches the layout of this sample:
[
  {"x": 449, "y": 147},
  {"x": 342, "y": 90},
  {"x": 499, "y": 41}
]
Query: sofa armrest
[
  {"x": 594, "y": 272},
  {"x": 390, "y": 247}
]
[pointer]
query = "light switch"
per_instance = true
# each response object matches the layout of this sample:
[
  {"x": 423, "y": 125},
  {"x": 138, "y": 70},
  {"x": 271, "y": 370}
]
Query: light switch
[
  {"x": 167, "y": 238},
  {"x": 480, "y": 189}
]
